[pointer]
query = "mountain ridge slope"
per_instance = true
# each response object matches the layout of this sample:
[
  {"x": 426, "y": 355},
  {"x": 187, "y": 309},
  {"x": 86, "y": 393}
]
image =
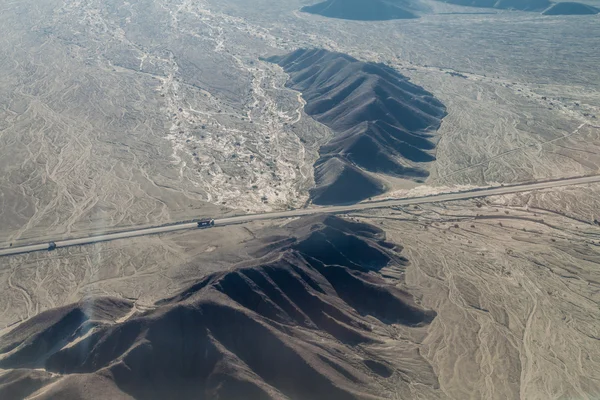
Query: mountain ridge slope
[
  {"x": 294, "y": 323},
  {"x": 382, "y": 123}
]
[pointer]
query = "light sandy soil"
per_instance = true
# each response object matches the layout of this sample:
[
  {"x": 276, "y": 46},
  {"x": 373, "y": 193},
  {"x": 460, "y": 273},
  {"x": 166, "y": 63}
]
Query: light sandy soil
[
  {"x": 121, "y": 113},
  {"x": 518, "y": 295},
  {"x": 101, "y": 127}
]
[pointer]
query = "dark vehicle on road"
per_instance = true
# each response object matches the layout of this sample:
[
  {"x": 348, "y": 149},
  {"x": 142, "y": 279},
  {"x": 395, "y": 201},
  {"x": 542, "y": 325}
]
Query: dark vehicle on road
[
  {"x": 51, "y": 246},
  {"x": 206, "y": 223}
]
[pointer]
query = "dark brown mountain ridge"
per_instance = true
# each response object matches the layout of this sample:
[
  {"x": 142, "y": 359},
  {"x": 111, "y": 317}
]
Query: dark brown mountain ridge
[
  {"x": 365, "y": 10},
  {"x": 382, "y": 123},
  {"x": 294, "y": 324}
]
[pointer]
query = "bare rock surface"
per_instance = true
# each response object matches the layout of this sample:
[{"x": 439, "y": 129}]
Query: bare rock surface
[
  {"x": 272, "y": 327},
  {"x": 571, "y": 8},
  {"x": 364, "y": 10},
  {"x": 522, "y": 5},
  {"x": 382, "y": 123}
]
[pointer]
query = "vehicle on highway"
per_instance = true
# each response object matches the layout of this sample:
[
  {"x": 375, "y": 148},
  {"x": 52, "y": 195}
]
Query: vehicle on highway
[
  {"x": 51, "y": 246},
  {"x": 206, "y": 223}
]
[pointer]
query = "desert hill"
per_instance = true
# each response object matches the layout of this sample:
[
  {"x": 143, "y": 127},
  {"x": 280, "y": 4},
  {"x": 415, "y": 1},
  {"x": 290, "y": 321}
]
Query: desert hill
[
  {"x": 37, "y": 338},
  {"x": 293, "y": 324},
  {"x": 339, "y": 182},
  {"x": 521, "y": 5},
  {"x": 571, "y": 8},
  {"x": 382, "y": 122},
  {"x": 363, "y": 10}
]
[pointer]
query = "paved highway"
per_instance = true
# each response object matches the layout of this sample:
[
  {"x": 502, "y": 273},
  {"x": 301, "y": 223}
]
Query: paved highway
[{"x": 308, "y": 211}]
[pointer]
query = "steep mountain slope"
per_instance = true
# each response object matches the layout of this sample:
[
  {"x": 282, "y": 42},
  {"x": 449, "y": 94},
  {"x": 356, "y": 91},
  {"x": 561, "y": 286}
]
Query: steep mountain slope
[
  {"x": 382, "y": 122},
  {"x": 339, "y": 182},
  {"x": 36, "y": 339},
  {"x": 522, "y": 5},
  {"x": 363, "y": 10},
  {"x": 294, "y": 324},
  {"x": 20, "y": 383},
  {"x": 571, "y": 8}
]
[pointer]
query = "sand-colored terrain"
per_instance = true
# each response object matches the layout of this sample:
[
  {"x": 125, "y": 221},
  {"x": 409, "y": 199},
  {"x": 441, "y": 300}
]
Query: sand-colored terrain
[
  {"x": 517, "y": 296},
  {"x": 127, "y": 113},
  {"x": 121, "y": 114}
]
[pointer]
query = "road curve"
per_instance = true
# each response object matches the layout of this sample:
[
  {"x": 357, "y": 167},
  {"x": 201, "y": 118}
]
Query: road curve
[{"x": 308, "y": 211}]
